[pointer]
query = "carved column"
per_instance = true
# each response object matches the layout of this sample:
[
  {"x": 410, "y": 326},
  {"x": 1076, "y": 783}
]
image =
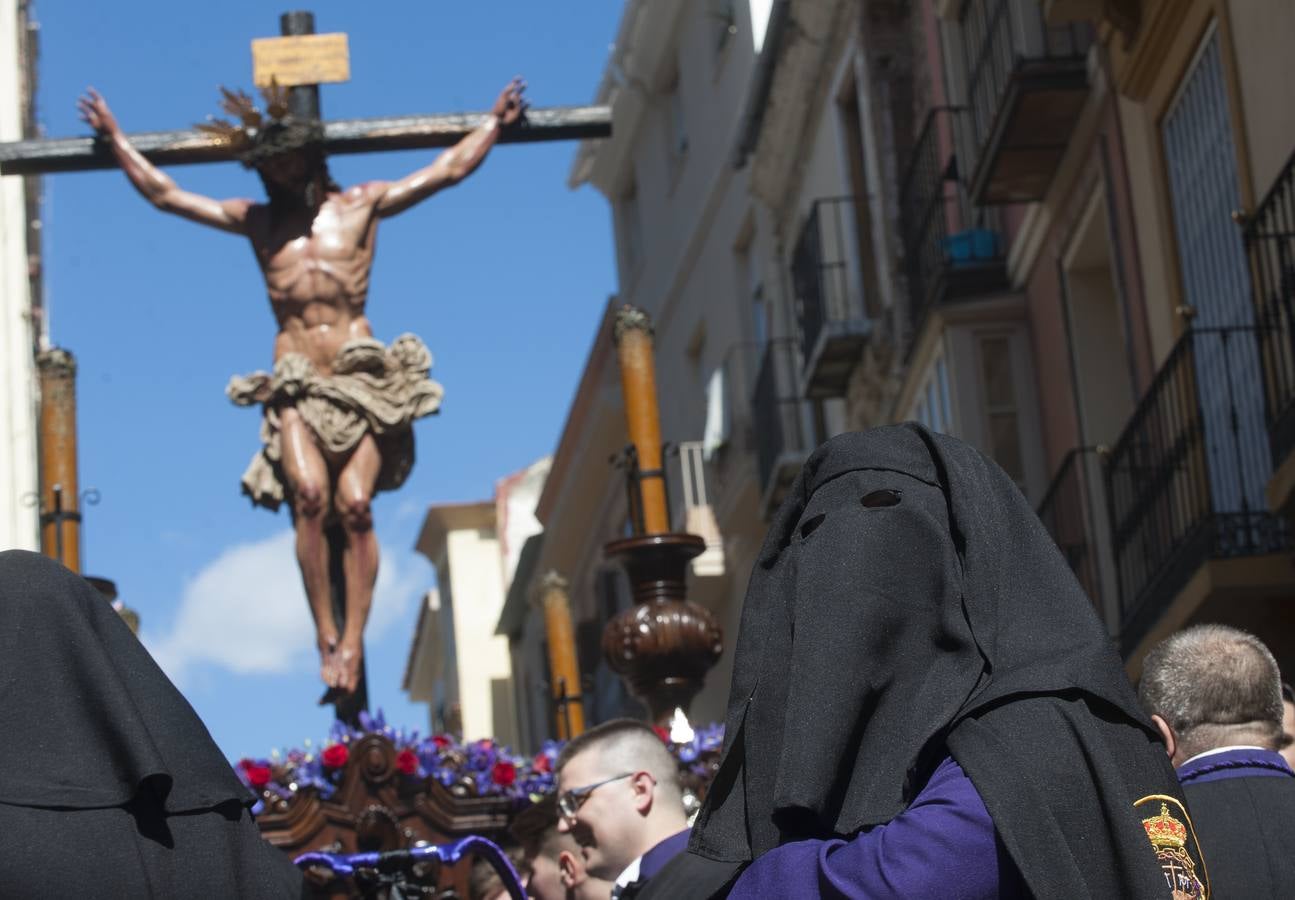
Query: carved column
[
  {"x": 664, "y": 645},
  {"x": 60, "y": 533},
  {"x": 564, "y": 667}
]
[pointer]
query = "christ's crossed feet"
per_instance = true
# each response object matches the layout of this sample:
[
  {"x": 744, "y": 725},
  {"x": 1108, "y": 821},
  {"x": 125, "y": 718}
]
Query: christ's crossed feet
[{"x": 339, "y": 667}]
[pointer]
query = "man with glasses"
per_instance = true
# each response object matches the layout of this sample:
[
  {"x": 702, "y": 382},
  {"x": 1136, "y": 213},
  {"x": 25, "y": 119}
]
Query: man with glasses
[{"x": 620, "y": 799}]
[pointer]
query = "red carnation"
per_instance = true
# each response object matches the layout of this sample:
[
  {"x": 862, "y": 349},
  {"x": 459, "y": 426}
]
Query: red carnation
[
  {"x": 257, "y": 776},
  {"x": 441, "y": 741},
  {"x": 504, "y": 773},
  {"x": 542, "y": 764},
  {"x": 244, "y": 763},
  {"x": 407, "y": 761},
  {"x": 662, "y": 733},
  {"x": 335, "y": 756}
]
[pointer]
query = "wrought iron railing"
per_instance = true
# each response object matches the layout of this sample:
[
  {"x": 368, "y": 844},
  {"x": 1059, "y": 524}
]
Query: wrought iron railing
[
  {"x": 779, "y": 414},
  {"x": 998, "y": 38},
  {"x": 1185, "y": 481},
  {"x": 823, "y": 276},
  {"x": 1270, "y": 242},
  {"x": 940, "y": 226},
  {"x": 1070, "y": 514}
]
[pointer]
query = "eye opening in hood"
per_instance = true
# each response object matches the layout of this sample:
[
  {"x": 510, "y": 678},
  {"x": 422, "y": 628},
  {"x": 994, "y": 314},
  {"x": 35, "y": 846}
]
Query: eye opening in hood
[
  {"x": 882, "y": 498},
  {"x": 807, "y": 527}
]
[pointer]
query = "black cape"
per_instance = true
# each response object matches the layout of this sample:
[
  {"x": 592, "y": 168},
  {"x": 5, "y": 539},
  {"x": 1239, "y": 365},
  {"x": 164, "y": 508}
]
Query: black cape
[
  {"x": 1247, "y": 826},
  {"x": 111, "y": 786},
  {"x": 908, "y": 604}
]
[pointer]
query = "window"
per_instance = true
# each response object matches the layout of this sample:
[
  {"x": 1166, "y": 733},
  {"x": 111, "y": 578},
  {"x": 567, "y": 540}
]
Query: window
[
  {"x": 723, "y": 20},
  {"x": 719, "y": 423},
  {"x": 751, "y": 287},
  {"x": 676, "y": 128},
  {"x": 1200, "y": 157},
  {"x": 1203, "y": 184},
  {"x": 759, "y": 315},
  {"x": 630, "y": 227},
  {"x": 933, "y": 407},
  {"x": 1002, "y": 424},
  {"x": 678, "y": 125}
]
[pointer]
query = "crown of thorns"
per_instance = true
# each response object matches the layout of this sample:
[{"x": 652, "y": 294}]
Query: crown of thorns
[{"x": 260, "y": 134}]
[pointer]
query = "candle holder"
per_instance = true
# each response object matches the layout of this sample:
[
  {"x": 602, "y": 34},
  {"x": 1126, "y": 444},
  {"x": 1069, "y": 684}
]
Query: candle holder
[{"x": 665, "y": 644}]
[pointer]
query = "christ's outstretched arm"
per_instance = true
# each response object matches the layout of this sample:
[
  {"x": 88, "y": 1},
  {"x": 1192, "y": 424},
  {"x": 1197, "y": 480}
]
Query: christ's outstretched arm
[
  {"x": 157, "y": 187},
  {"x": 456, "y": 163}
]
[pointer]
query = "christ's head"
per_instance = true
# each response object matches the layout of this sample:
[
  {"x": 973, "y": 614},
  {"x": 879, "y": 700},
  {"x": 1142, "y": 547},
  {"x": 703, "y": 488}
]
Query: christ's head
[{"x": 288, "y": 154}]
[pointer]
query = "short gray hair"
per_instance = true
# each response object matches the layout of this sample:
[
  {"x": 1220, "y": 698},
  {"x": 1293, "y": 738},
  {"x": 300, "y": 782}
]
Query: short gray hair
[
  {"x": 1215, "y": 686},
  {"x": 629, "y": 745}
]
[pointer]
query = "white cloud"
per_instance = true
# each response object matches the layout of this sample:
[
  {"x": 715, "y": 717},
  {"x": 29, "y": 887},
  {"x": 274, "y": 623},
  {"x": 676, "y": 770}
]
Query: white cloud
[{"x": 245, "y": 611}]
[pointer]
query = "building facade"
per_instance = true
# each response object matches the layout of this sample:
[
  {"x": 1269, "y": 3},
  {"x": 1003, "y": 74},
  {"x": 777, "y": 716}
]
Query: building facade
[
  {"x": 457, "y": 663},
  {"x": 1059, "y": 230},
  {"x": 1041, "y": 248}
]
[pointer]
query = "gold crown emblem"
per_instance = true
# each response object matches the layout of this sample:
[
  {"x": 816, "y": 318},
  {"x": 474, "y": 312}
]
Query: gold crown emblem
[{"x": 1165, "y": 831}]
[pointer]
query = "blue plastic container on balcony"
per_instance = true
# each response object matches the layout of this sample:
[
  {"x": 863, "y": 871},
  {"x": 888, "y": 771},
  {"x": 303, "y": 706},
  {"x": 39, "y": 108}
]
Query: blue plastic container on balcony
[{"x": 973, "y": 245}]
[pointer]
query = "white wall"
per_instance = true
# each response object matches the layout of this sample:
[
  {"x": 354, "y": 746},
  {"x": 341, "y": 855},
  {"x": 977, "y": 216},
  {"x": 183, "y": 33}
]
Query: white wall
[
  {"x": 515, "y": 499},
  {"x": 18, "y": 524},
  {"x": 478, "y": 597}
]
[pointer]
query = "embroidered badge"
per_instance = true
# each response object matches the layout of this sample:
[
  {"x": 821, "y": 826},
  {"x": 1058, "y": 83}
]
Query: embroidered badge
[{"x": 1173, "y": 843}]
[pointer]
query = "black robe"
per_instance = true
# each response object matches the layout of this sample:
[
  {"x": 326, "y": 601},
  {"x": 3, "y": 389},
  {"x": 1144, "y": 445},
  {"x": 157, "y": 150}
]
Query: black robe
[
  {"x": 110, "y": 785},
  {"x": 1243, "y": 806},
  {"x": 908, "y": 604}
]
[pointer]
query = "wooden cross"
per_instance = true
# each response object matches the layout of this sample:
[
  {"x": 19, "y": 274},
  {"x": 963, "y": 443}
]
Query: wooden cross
[
  {"x": 301, "y": 53},
  {"x": 300, "y": 61}
]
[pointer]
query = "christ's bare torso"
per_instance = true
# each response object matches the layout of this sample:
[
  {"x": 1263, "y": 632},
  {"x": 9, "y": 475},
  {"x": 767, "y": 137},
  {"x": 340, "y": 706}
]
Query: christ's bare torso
[{"x": 317, "y": 272}]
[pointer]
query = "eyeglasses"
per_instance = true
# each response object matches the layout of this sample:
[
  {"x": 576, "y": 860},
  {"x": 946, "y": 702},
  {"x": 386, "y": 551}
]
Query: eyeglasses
[{"x": 569, "y": 802}]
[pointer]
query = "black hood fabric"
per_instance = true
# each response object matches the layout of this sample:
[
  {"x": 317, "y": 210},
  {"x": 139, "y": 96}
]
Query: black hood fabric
[
  {"x": 111, "y": 785},
  {"x": 907, "y": 604},
  {"x": 99, "y": 719}
]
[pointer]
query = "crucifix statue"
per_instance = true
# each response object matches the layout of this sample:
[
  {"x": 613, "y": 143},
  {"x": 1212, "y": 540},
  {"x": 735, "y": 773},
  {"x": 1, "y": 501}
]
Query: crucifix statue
[{"x": 338, "y": 404}]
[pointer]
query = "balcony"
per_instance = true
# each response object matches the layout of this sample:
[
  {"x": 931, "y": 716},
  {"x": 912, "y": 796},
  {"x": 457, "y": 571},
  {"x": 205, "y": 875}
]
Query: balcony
[
  {"x": 1270, "y": 243},
  {"x": 825, "y": 277},
  {"x": 1026, "y": 83},
  {"x": 1185, "y": 481},
  {"x": 1074, "y": 513},
  {"x": 785, "y": 428},
  {"x": 951, "y": 249}
]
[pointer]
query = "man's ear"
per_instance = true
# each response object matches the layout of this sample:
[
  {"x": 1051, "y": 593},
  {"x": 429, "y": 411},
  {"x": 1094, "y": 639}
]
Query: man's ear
[
  {"x": 1166, "y": 734},
  {"x": 569, "y": 870},
  {"x": 642, "y": 783}
]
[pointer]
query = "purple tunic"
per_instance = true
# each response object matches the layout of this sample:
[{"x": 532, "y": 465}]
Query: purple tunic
[
  {"x": 662, "y": 853},
  {"x": 944, "y": 845},
  {"x": 1243, "y": 762}
]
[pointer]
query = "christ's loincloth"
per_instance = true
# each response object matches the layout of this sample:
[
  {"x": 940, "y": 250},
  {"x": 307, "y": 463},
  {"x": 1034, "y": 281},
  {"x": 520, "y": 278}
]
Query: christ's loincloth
[{"x": 373, "y": 390}]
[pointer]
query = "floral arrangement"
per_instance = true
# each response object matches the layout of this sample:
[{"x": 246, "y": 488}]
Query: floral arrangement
[{"x": 481, "y": 768}]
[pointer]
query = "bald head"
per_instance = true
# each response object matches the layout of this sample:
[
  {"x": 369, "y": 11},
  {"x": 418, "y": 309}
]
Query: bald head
[{"x": 1215, "y": 686}]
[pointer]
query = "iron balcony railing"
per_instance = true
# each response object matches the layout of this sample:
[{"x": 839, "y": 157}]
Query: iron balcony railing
[
  {"x": 942, "y": 231},
  {"x": 999, "y": 39},
  {"x": 1270, "y": 242},
  {"x": 825, "y": 274},
  {"x": 1185, "y": 481},
  {"x": 782, "y": 419},
  {"x": 1069, "y": 513}
]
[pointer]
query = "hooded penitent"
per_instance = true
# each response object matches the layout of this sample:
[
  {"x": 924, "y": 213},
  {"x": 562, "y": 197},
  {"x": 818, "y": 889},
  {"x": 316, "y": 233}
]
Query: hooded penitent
[
  {"x": 908, "y": 605},
  {"x": 111, "y": 785}
]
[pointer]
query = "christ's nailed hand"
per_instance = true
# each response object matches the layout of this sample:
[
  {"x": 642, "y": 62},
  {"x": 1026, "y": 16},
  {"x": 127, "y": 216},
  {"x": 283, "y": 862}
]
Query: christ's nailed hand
[{"x": 95, "y": 112}]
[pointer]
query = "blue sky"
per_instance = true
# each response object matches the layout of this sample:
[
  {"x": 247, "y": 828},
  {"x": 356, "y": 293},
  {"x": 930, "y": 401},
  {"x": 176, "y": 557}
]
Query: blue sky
[{"x": 503, "y": 276}]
